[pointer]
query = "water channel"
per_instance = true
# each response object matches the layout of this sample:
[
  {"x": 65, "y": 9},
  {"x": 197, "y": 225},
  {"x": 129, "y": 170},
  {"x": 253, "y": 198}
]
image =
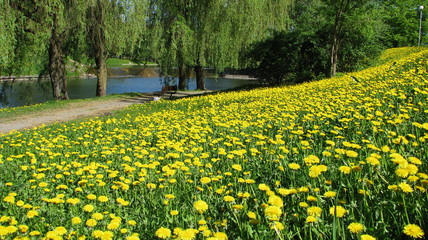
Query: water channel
[{"x": 20, "y": 93}]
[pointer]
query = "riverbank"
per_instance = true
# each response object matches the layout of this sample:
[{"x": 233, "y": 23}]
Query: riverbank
[{"x": 69, "y": 110}]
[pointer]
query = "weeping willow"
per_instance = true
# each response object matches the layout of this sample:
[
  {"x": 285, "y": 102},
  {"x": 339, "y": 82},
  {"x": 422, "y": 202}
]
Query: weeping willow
[{"x": 197, "y": 34}]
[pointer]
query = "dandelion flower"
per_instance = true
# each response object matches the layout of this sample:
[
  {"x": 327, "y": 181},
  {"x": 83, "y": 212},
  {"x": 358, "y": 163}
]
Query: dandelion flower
[
  {"x": 273, "y": 212},
  {"x": 367, "y": 237},
  {"x": 200, "y": 206},
  {"x": 237, "y": 167},
  {"x": 413, "y": 231},
  {"x": 205, "y": 180},
  {"x": 277, "y": 226},
  {"x": 229, "y": 199},
  {"x": 355, "y": 227},
  {"x": 173, "y": 212},
  {"x": 405, "y": 187},
  {"x": 294, "y": 166},
  {"x": 76, "y": 220},
  {"x": 91, "y": 222},
  {"x": 264, "y": 187},
  {"x": 311, "y": 219},
  {"x": 88, "y": 208},
  {"x": 60, "y": 231},
  {"x": 314, "y": 211},
  {"x": 102, "y": 198},
  {"x": 275, "y": 201},
  {"x": 345, "y": 169},
  {"x": 338, "y": 211},
  {"x": 330, "y": 194},
  {"x": 220, "y": 236},
  {"x": 252, "y": 215},
  {"x": 163, "y": 233},
  {"x": 188, "y": 234},
  {"x": 32, "y": 213}
]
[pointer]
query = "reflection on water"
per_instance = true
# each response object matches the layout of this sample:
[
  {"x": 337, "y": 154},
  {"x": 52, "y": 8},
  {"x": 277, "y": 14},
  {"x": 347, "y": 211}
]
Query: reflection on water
[{"x": 21, "y": 93}]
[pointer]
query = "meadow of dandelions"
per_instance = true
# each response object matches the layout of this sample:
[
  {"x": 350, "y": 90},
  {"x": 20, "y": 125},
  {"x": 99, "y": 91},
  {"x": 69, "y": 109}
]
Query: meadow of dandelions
[{"x": 341, "y": 158}]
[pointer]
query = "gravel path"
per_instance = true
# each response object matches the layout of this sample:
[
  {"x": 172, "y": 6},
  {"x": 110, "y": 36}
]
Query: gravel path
[{"x": 78, "y": 110}]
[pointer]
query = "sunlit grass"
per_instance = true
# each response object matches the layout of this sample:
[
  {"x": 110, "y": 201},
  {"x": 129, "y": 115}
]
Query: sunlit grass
[{"x": 341, "y": 158}]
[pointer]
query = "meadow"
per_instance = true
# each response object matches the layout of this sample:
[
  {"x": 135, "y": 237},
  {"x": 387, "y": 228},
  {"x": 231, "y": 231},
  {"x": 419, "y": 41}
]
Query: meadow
[{"x": 340, "y": 158}]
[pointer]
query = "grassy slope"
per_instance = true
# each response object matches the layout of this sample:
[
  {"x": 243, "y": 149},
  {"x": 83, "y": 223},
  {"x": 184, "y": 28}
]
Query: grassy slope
[{"x": 357, "y": 145}]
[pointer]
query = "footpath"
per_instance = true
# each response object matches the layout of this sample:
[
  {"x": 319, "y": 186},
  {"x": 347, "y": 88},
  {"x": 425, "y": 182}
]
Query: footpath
[{"x": 80, "y": 110}]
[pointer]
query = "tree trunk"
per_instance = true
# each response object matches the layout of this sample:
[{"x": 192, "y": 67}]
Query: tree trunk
[
  {"x": 100, "y": 61},
  {"x": 200, "y": 83},
  {"x": 98, "y": 47},
  {"x": 334, "y": 56},
  {"x": 56, "y": 63},
  {"x": 341, "y": 11},
  {"x": 182, "y": 77}
]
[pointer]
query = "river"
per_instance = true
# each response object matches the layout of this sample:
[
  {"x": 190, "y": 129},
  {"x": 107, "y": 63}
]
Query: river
[{"x": 20, "y": 93}]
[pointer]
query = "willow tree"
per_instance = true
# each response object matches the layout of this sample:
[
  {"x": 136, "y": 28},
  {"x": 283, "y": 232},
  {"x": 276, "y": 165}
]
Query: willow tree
[
  {"x": 112, "y": 26},
  {"x": 201, "y": 33},
  {"x": 7, "y": 35},
  {"x": 45, "y": 26},
  {"x": 23, "y": 37},
  {"x": 65, "y": 23}
]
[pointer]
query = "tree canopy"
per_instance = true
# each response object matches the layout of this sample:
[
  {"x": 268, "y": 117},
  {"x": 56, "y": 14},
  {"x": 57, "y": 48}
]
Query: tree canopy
[
  {"x": 196, "y": 34},
  {"x": 317, "y": 37}
]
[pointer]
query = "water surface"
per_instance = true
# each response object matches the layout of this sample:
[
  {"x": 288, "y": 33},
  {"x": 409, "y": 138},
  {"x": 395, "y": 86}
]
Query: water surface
[{"x": 19, "y": 93}]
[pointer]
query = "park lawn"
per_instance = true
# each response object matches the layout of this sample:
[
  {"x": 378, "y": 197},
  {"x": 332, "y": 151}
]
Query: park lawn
[{"x": 340, "y": 158}]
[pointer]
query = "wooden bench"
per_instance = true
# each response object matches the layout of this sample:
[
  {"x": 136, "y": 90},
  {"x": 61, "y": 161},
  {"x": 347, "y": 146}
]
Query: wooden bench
[{"x": 168, "y": 90}]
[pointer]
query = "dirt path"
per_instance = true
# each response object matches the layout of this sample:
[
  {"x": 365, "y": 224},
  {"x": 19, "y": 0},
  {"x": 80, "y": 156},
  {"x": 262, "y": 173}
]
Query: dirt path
[{"x": 79, "y": 110}]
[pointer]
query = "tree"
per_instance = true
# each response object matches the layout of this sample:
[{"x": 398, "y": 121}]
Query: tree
[
  {"x": 402, "y": 20},
  {"x": 211, "y": 32},
  {"x": 288, "y": 57},
  {"x": 315, "y": 43},
  {"x": 343, "y": 11},
  {"x": 24, "y": 38},
  {"x": 112, "y": 26},
  {"x": 7, "y": 35},
  {"x": 48, "y": 24}
]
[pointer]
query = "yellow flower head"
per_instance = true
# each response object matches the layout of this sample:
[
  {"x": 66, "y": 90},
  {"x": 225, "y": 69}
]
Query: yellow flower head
[
  {"x": 200, "y": 206},
  {"x": 314, "y": 211},
  {"x": 163, "y": 233},
  {"x": 413, "y": 231},
  {"x": 338, "y": 211},
  {"x": 273, "y": 212},
  {"x": 356, "y": 227}
]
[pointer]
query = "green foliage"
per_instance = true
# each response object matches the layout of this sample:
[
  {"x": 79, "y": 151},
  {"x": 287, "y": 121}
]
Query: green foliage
[
  {"x": 402, "y": 18},
  {"x": 209, "y": 33},
  {"x": 7, "y": 38},
  {"x": 290, "y": 57},
  {"x": 303, "y": 53}
]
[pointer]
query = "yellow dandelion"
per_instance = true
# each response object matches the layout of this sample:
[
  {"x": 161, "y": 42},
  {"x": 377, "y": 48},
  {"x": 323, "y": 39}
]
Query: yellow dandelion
[
  {"x": 405, "y": 187},
  {"x": 294, "y": 166},
  {"x": 273, "y": 212},
  {"x": 367, "y": 237},
  {"x": 311, "y": 219},
  {"x": 345, "y": 169},
  {"x": 314, "y": 211},
  {"x": 163, "y": 233},
  {"x": 338, "y": 211},
  {"x": 413, "y": 231},
  {"x": 200, "y": 206},
  {"x": 76, "y": 220},
  {"x": 91, "y": 222},
  {"x": 356, "y": 227}
]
